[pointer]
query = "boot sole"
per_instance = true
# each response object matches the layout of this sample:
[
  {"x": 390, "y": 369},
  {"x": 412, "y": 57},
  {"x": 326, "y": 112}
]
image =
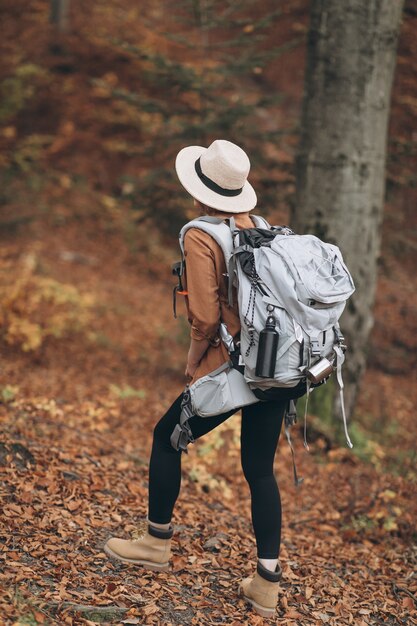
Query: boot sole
[
  {"x": 261, "y": 610},
  {"x": 163, "y": 567}
]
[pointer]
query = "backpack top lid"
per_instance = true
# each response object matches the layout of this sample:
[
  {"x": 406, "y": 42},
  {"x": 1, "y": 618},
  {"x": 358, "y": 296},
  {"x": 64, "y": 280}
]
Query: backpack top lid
[
  {"x": 317, "y": 266},
  {"x": 307, "y": 278}
]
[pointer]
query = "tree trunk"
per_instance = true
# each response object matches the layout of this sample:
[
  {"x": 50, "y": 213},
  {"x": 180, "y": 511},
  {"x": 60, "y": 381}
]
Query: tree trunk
[
  {"x": 340, "y": 165},
  {"x": 59, "y": 14}
]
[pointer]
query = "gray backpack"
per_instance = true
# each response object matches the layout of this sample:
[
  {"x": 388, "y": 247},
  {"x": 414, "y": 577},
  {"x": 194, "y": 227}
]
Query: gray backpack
[{"x": 303, "y": 283}]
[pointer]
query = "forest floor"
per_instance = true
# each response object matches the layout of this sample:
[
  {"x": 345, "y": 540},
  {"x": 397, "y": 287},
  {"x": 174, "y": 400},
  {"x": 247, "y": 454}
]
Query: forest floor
[{"x": 78, "y": 403}]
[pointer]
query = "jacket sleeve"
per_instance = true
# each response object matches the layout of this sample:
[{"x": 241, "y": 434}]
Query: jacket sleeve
[{"x": 202, "y": 286}]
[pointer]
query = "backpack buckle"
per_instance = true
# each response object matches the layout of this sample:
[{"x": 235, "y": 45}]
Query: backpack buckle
[
  {"x": 186, "y": 409},
  {"x": 290, "y": 415},
  {"x": 314, "y": 347},
  {"x": 340, "y": 340},
  {"x": 181, "y": 436}
]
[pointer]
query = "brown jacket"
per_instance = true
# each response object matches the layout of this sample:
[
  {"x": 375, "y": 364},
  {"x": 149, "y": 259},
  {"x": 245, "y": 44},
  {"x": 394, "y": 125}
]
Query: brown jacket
[{"x": 207, "y": 300}]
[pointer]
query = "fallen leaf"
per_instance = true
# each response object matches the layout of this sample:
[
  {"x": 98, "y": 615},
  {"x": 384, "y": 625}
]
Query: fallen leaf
[
  {"x": 408, "y": 603},
  {"x": 150, "y": 609}
]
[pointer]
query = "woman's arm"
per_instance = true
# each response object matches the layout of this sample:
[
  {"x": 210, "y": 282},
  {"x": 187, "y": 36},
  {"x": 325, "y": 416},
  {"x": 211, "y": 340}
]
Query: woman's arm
[
  {"x": 203, "y": 296},
  {"x": 195, "y": 354}
]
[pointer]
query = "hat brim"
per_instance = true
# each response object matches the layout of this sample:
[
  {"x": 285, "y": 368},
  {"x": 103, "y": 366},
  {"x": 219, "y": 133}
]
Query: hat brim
[{"x": 185, "y": 168}]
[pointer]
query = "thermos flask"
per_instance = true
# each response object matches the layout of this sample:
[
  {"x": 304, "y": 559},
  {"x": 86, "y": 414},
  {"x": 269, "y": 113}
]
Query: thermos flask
[
  {"x": 319, "y": 371},
  {"x": 267, "y": 349}
]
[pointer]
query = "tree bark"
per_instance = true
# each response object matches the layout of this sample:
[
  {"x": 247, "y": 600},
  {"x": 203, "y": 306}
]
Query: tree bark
[
  {"x": 59, "y": 14},
  {"x": 340, "y": 167}
]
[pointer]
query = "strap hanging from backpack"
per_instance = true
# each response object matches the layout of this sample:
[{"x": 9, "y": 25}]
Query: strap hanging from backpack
[
  {"x": 290, "y": 418},
  {"x": 309, "y": 390},
  {"x": 340, "y": 357},
  {"x": 313, "y": 352},
  {"x": 178, "y": 271}
]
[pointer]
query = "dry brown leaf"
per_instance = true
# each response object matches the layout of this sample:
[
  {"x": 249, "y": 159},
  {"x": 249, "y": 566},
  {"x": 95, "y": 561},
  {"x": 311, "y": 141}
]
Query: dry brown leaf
[
  {"x": 408, "y": 603},
  {"x": 151, "y": 609},
  {"x": 73, "y": 505},
  {"x": 293, "y": 614}
]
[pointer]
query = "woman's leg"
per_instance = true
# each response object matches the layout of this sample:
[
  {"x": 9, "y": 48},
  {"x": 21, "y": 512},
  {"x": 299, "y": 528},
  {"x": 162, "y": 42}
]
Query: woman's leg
[
  {"x": 165, "y": 462},
  {"x": 261, "y": 427}
]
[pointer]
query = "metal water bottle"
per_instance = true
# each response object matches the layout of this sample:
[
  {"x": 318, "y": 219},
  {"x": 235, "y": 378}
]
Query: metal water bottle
[{"x": 267, "y": 349}]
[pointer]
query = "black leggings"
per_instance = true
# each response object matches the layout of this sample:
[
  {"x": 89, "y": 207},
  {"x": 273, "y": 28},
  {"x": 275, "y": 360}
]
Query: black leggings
[{"x": 261, "y": 426}]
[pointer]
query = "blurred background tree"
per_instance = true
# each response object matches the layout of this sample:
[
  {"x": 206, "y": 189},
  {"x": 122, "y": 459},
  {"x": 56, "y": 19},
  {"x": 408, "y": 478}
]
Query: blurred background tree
[
  {"x": 60, "y": 14},
  {"x": 351, "y": 56}
]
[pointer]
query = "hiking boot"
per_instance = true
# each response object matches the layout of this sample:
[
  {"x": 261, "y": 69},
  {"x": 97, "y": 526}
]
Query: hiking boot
[
  {"x": 149, "y": 546},
  {"x": 261, "y": 590}
]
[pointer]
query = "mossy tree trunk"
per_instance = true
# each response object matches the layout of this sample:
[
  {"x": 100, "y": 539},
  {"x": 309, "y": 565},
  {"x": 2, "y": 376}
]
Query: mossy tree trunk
[{"x": 340, "y": 166}]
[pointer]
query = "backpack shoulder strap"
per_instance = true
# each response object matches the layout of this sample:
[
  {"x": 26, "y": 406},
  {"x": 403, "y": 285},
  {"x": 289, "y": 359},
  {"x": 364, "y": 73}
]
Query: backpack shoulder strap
[
  {"x": 216, "y": 228},
  {"x": 220, "y": 229},
  {"x": 261, "y": 222}
]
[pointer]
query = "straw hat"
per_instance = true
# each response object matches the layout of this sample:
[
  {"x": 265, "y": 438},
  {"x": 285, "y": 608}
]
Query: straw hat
[{"x": 217, "y": 176}]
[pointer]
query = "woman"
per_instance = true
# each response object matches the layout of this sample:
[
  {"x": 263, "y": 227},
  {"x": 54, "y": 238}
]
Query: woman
[{"x": 216, "y": 178}]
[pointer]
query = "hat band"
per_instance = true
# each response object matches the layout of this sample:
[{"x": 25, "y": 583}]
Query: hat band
[{"x": 214, "y": 186}]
